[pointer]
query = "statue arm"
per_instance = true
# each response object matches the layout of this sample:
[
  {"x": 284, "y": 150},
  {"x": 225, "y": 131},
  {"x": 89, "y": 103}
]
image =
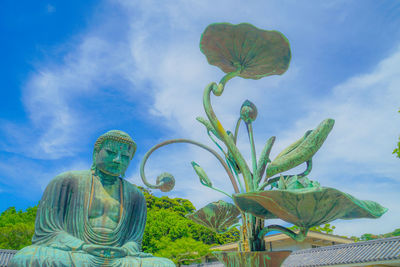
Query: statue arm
[
  {"x": 57, "y": 199},
  {"x": 137, "y": 221}
]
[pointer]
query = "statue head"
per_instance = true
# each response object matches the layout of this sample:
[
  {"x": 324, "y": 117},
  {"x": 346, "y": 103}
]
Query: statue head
[{"x": 113, "y": 152}]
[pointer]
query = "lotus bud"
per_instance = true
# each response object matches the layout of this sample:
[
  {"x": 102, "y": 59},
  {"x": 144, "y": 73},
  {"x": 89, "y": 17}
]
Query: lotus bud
[
  {"x": 202, "y": 174},
  {"x": 248, "y": 112},
  {"x": 166, "y": 181}
]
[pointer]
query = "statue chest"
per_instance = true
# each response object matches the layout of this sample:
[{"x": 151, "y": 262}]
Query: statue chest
[{"x": 105, "y": 207}]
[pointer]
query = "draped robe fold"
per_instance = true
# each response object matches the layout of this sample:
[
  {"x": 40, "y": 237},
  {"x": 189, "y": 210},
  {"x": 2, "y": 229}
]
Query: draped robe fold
[{"x": 62, "y": 227}]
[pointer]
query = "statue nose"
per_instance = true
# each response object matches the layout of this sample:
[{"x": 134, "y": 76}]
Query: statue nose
[{"x": 117, "y": 159}]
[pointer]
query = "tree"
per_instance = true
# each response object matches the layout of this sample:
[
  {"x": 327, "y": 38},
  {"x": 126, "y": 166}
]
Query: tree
[
  {"x": 184, "y": 250},
  {"x": 327, "y": 228},
  {"x": 366, "y": 237},
  {"x": 166, "y": 218},
  {"x": 17, "y": 228}
]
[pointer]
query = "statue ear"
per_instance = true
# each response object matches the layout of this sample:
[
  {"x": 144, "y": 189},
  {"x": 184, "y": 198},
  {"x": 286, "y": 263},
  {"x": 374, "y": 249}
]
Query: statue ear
[
  {"x": 95, "y": 151},
  {"x": 133, "y": 150}
]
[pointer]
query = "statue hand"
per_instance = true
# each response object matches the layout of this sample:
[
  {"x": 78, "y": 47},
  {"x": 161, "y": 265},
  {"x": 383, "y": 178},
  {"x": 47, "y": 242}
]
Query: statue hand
[
  {"x": 141, "y": 255},
  {"x": 104, "y": 251}
]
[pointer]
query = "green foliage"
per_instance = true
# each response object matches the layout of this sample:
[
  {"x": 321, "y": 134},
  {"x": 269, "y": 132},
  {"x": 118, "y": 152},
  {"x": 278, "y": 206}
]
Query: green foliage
[
  {"x": 16, "y": 236},
  {"x": 166, "y": 219},
  {"x": 17, "y": 227},
  {"x": 366, "y": 237},
  {"x": 184, "y": 250},
  {"x": 327, "y": 228}
]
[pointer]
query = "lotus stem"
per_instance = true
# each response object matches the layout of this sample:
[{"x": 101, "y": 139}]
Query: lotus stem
[
  {"x": 230, "y": 228},
  {"x": 236, "y": 175},
  {"x": 231, "y": 168},
  {"x": 253, "y": 152},
  {"x": 216, "y": 143},
  {"x": 229, "y": 76},
  {"x": 264, "y": 159},
  {"x": 147, "y": 155},
  {"x": 237, "y": 129},
  {"x": 218, "y": 190},
  {"x": 300, "y": 236},
  {"x": 224, "y": 136}
]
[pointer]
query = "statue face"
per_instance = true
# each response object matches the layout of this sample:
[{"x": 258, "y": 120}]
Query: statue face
[{"x": 114, "y": 157}]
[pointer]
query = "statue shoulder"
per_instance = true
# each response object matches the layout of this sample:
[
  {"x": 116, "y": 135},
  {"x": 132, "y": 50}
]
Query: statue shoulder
[
  {"x": 71, "y": 177},
  {"x": 133, "y": 189}
]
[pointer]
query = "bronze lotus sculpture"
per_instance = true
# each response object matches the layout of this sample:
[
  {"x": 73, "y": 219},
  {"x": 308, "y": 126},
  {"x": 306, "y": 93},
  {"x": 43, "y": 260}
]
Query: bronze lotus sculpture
[{"x": 245, "y": 51}]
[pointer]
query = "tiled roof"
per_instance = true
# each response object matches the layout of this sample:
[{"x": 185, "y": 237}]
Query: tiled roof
[
  {"x": 5, "y": 256},
  {"x": 379, "y": 250}
]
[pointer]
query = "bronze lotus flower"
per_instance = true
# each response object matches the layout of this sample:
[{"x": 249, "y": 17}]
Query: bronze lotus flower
[
  {"x": 254, "y": 52},
  {"x": 218, "y": 216}
]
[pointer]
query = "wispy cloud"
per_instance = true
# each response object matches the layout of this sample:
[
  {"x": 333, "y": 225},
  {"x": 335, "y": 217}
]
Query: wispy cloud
[{"x": 50, "y": 8}]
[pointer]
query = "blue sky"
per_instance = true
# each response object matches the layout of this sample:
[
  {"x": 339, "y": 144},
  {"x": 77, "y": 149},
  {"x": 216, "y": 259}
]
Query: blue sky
[{"x": 71, "y": 71}]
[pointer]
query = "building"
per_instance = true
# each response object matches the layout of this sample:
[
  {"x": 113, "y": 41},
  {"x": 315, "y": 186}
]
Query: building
[
  {"x": 373, "y": 253},
  {"x": 284, "y": 242}
]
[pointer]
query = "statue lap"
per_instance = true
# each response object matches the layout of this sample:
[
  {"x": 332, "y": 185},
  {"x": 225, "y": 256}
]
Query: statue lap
[{"x": 50, "y": 257}]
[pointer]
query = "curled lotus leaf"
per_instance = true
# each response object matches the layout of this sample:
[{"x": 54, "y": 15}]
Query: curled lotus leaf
[
  {"x": 308, "y": 207},
  {"x": 217, "y": 216},
  {"x": 302, "y": 150},
  {"x": 256, "y": 53}
]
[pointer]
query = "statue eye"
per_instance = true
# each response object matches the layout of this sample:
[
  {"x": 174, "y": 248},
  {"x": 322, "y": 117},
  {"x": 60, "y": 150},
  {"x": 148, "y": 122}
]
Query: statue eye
[{"x": 111, "y": 152}]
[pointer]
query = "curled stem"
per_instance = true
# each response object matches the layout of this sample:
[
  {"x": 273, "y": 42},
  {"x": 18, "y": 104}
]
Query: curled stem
[
  {"x": 300, "y": 236},
  {"x": 147, "y": 155},
  {"x": 227, "y": 77},
  {"x": 229, "y": 142}
]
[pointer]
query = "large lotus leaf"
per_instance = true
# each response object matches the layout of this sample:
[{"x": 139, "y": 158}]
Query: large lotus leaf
[
  {"x": 217, "y": 216},
  {"x": 308, "y": 207},
  {"x": 258, "y": 53},
  {"x": 302, "y": 150}
]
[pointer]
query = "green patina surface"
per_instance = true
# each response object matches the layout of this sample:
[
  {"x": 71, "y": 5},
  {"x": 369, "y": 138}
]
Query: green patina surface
[
  {"x": 302, "y": 150},
  {"x": 241, "y": 259},
  {"x": 92, "y": 217},
  {"x": 305, "y": 204},
  {"x": 218, "y": 216},
  {"x": 245, "y": 51}
]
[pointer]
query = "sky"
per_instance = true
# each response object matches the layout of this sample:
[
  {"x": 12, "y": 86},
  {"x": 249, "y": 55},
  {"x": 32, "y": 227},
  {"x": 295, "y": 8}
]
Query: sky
[{"x": 71, "y": 71}]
